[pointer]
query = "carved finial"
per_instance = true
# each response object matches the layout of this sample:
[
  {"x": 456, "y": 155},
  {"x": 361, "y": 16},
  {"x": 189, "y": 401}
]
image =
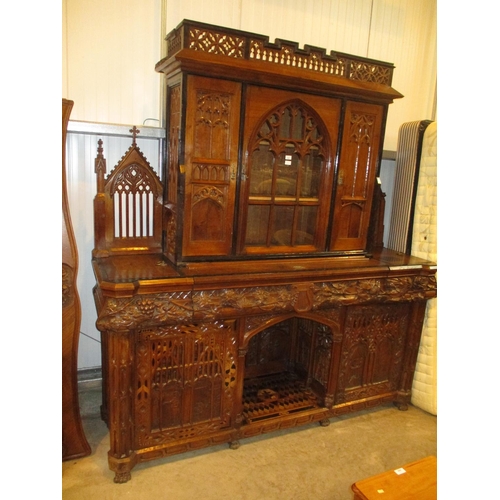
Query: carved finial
[
  {"x": 100, "y": 162},
  {"x": 134, "y": 130},
  {"x": 100, "y": 166}
]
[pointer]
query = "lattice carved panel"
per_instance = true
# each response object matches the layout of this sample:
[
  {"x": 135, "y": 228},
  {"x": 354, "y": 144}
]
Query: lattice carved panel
[
  {"x": 186, "y": 378},
  {"x": 236, "y": 44},
  {"x": 214, "y": 42},
  {"x": 369, "y": 72},
  {"x": 372, "y": 350},
  {"x": 212, "y": 125}
]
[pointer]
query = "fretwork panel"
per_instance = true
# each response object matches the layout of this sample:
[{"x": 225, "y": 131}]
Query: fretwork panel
[
  {"x": 372, "y": 350},
  {"x": 133, "y": 215},
  {"x": 133, "y": 195},
  {"x": 185, "y": 379}
]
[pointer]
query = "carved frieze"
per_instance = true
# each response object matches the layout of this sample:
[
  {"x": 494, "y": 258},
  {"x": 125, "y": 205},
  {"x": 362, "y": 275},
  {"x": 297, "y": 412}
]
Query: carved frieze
[
  {"x": 238, "y": 45},
  {"x": 397, "y": 289},
  {"x": 145, "y": 310},
  {"x": 263, "y": 302},
  {"x": 230, "y": 302}
]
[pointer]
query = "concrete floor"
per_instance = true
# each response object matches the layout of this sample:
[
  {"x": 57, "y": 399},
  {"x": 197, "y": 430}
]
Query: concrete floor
[{"x": 307, "y": 463}]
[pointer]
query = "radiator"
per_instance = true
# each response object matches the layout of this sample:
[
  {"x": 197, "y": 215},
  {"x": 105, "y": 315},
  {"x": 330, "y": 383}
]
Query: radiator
[
  {"x": 407, "y": 166},
  {"x": 413, "y": 230}
]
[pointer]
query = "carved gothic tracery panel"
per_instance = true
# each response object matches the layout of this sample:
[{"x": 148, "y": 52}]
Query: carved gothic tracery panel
[
  {"x": 372, "y": 350},
  {"x": 287, "y": 160},
  {"x": 185, "y": 381}
]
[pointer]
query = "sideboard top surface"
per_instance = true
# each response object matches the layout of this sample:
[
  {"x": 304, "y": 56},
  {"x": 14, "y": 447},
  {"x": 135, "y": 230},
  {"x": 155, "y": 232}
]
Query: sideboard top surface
[{"x": 152, "y": 273}]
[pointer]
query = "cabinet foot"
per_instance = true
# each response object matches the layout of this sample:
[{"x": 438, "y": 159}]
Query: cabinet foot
[
  {"x": 234, "y": 445},
  {"x": 325, "y": 422},
  {"x": 401, "y": 406},
  {"x": 122, "y": 467},
  {"x": 122, "y": 477}
]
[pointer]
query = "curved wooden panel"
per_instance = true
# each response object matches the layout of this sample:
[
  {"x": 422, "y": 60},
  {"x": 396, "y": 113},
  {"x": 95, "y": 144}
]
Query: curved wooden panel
[{"x": 74, "y": 443}]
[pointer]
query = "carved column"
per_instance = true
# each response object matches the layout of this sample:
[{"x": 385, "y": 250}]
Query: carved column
[
  {"x": 416, "y": 322},
  {"x": 120, "y": 403}
]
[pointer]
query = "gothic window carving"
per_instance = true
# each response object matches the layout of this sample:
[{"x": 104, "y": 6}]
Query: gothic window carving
[{"x": 286, "y": 167}]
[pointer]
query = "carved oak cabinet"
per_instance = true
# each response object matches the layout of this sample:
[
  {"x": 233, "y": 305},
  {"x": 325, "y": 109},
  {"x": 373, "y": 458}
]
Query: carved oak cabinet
[{"x": 248, "y": 291}]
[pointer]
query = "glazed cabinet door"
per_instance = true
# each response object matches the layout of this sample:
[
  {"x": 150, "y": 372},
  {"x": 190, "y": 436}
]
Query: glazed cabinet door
[
  {"x": 210, "y": 157},
  {"x": 290, "y": 142},
  {"x": 356, "y": 176}
]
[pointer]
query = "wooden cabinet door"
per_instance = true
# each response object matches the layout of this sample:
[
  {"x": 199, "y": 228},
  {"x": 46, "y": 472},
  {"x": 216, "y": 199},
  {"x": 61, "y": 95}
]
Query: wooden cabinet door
[
  {"x": 356, "y": 176},
  {"x": 186, "y": 381},
  {"x": 373, "y": 350},
  {"x": 210, "y": 157}
]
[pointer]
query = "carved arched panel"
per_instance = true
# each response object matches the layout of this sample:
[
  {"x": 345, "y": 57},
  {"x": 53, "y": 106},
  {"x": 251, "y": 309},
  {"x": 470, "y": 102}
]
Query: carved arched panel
[
  {"x": 210, "y": 164},
  {"x": 359, "y": 158},
  {"x": 208, "y": 220},
  {"x": 287, "y": 163},
  {"x": 372, "y": 350},
  {"x": 289, "y": 145},
  {"x": 185, "y": 380}
]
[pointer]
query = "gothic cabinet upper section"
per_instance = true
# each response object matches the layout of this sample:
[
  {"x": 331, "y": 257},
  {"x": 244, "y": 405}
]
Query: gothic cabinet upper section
[{"x": 272, "y": 150}]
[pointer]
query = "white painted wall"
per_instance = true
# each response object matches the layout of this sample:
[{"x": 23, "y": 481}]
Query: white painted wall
[{"x": 110, "y": 48}]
